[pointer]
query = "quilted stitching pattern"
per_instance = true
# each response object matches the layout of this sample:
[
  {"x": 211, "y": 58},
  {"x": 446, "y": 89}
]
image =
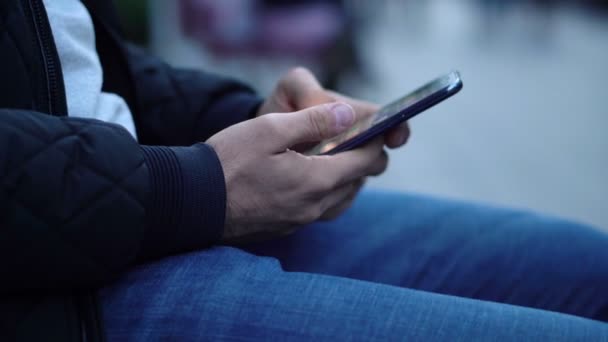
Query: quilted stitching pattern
[
  {"x": 74, "y": 185},
  {"x": 114, "y": 182}
]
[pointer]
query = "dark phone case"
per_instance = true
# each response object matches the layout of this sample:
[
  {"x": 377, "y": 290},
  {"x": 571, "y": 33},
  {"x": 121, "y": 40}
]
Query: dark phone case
[{"x": 395, "y": 120}]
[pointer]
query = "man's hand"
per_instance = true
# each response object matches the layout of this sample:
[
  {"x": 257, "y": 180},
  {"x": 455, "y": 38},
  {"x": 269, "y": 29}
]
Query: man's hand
[
  {"x": 272, "y": 189},
  {"x": 299, "y": 89}
]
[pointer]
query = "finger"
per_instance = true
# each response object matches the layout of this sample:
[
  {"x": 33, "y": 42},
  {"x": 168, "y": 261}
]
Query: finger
[
  {"x": 397, "y": 136},
  {"x": 337, "y": 197},
  {"x": 309, "y": 125},
  {"x": 342, "y": 206},
  {"x": 379, "y": 166},
  {"x": 303, "y": 90},
  {"x": 348, "y": 166}
]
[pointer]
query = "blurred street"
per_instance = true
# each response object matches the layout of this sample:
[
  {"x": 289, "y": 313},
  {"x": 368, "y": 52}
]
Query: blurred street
[{"x": 529, "y": 128}]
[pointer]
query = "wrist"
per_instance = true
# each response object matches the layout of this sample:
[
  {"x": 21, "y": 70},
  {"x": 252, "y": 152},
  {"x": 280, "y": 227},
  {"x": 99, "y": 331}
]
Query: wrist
[{"x": 187, "y": 204}]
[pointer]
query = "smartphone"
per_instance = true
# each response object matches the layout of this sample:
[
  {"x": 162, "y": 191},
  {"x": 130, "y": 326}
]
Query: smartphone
[{"x": 391, "y": 115}]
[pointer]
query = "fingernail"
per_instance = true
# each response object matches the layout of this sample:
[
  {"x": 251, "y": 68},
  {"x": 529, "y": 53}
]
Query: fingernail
[{"x": 344, "y": 114}]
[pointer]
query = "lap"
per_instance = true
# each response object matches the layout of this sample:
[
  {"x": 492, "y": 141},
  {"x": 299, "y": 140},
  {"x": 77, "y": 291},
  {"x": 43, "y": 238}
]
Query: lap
[
  {"x": 224, "y": 293},
  {"x": 394, "y": 267},
  {"x": 457, "y": 248}
]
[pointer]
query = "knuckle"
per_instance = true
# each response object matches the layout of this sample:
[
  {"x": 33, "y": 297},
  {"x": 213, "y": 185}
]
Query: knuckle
[
  {"x": 378, "y": 144},
  {"x": 317, "y": 122},
  {"x": 315, "y": 212},
  {"x": 382, "y": 163},
  {"x": 298, "y": 218},
  {"x": 313, "y": 182},
  {"x": 307, "y": 215},
  {"x": 321, "y": 121},
  {"x": 359, "y": 183},
  {"x": 320, "y": 185},
  {"x": 284, "y": 82},
  {"x": 270, "y": 128},
  {"x": 270, "y": 123},
  {"x": 298, "y": 71},
  {"x": 266, "y": 120},
  {"x": 292, "y": 77},
  {"x": 376, "y": 149}
]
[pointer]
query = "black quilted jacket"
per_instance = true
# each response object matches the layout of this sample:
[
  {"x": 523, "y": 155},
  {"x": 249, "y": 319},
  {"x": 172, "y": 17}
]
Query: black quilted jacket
[{"x": 80, "y": 200}]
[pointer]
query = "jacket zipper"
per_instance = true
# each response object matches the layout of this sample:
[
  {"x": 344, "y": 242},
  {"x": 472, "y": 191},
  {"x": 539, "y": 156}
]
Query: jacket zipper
[{"x": 51, "y": 65}]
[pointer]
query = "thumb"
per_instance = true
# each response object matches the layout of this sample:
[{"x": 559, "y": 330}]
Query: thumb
[{"x": 315, "y": 123}]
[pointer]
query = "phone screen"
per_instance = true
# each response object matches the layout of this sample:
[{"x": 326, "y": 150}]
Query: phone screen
[{"x": 391, "y": 115}]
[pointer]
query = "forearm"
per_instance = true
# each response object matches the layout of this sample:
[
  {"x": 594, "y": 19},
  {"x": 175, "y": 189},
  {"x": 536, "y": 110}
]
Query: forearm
[{"x": 81, "y": 201}]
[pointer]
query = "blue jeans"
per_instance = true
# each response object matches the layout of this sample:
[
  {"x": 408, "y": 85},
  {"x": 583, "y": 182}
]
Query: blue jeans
[{"x": 394, "y": 267}]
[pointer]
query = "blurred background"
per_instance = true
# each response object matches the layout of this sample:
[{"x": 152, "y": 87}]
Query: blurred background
[{"x": 527, "y": 131}]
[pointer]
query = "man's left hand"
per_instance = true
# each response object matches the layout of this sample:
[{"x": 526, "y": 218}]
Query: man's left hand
[{"x": 299, "y": 89}]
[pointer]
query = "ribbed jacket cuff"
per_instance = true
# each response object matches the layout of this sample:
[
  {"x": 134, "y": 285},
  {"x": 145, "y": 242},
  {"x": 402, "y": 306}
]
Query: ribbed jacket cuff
[
  {"x": 187, "y": 206},
  {"x": 228, "y": 111}
]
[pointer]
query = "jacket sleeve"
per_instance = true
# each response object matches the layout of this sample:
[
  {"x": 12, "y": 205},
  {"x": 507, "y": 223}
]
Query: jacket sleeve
[
  {"x": 182, "y": 107},
  {"x": 81, "y": 200}
]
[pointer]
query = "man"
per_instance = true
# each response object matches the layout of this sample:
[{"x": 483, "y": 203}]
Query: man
[{"x": 96, "y": 224}]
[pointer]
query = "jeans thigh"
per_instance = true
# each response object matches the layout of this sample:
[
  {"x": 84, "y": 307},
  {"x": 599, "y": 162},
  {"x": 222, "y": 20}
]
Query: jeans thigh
[
  {"x": 227, "y": 294},
  {"x": 457, "y": 248}
]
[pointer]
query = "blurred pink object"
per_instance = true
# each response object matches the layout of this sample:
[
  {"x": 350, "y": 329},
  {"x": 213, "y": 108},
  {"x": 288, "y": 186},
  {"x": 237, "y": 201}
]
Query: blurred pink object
[
  {"x": 237, "y": 27},
  {"x": 301, "y": 30}
]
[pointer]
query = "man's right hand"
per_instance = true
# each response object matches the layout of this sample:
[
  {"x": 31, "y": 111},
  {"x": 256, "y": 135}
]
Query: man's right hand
[{"x": 271, "y": 189}]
